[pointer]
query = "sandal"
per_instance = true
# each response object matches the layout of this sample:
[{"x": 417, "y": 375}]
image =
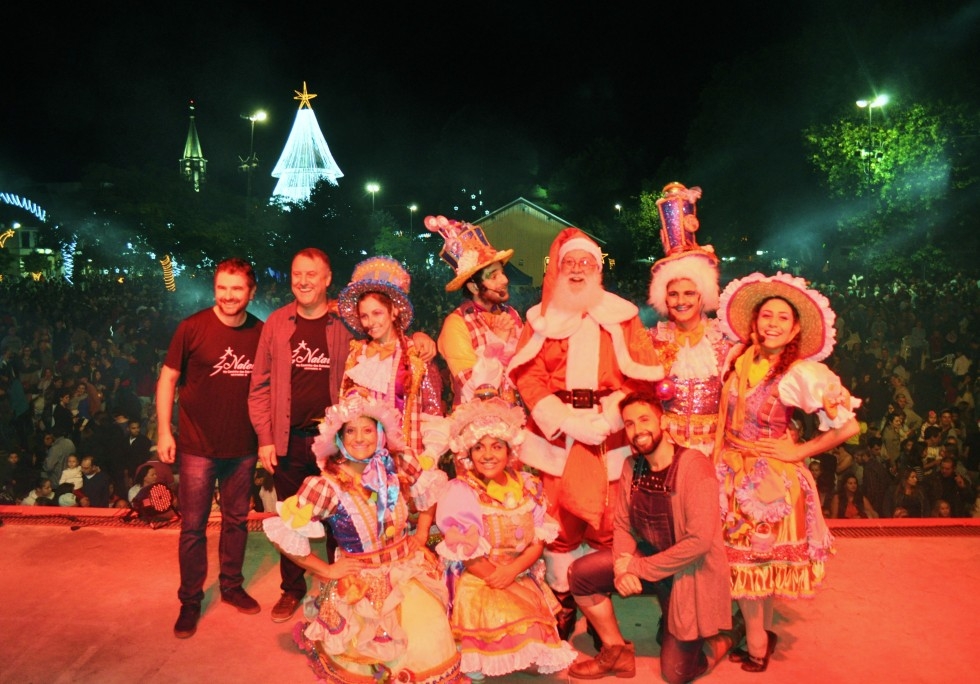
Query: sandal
[
  {"x": 740, "y": 655},
  {"x": 753, "y": 664}
]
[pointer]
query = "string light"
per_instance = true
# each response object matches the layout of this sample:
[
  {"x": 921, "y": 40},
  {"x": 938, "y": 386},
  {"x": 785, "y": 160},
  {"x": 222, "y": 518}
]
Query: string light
[
  {"x": 68, "y": 260},
  {"x": 24, "y": 203},
  {"x": 168, "y": 274}
]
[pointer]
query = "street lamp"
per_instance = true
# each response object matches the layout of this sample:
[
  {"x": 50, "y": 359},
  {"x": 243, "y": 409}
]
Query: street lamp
[
  {"x": 870, "y": 105},
  {"x": 412, "y": 208},
  {"x": 252, "y": 161},
  {"x": 372, "y": 188},
  {"x": 619, "y": 209}
]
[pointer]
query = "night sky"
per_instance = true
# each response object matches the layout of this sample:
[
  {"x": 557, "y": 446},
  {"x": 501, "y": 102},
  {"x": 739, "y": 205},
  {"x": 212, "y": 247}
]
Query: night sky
[{"x": 111, "y": 83}]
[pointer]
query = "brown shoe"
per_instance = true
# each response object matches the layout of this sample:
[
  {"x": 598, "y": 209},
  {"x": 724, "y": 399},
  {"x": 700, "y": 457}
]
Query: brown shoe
[
  {"x": 284, "y": 608},
  {"x": 612, "y": 661}
]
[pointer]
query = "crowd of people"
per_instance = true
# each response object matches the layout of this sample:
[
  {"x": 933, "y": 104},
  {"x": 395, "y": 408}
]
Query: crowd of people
[{"x": 484, "y": 487}]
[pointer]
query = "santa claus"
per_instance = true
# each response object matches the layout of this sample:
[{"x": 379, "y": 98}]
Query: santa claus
[{"x": 582, "y": 350}]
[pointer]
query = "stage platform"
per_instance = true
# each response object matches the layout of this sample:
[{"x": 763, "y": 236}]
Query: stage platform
[{"x": 87, "y": 598}]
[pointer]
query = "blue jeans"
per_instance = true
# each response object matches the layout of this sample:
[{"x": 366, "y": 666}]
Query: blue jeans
[{"x": 195, "y": 492}]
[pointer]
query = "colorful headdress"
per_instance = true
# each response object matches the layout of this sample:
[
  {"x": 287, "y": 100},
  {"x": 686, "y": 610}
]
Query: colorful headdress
[
  {"x": 377, "y": 274},
  {"x": 474, "y": 420},
  {"x": 466, "y": 249},
  {"x": 351, "y": 407},
  {"x": 683, "y": 257},
  {"x": 738, "y": 302}
]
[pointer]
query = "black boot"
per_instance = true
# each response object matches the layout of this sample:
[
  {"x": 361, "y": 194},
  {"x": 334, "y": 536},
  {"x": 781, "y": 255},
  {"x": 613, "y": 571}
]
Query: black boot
[{"x": 567, "y": 615}]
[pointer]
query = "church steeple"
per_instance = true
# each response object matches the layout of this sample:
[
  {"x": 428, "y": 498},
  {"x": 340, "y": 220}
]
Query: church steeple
[{"x": 193, "y": 165}]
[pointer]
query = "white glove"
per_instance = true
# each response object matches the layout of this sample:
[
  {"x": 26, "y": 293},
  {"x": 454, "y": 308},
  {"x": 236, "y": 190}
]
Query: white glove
[
  {"x": 588, "y": 429},
  {"x": 435, "y": 434},
  {"x": 610, "y": 410},
  {"x": 485, "y": 372}
]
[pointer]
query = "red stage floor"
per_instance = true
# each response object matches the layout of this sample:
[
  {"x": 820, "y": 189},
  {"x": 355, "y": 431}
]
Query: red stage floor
[{"x": 93, "y": 600}]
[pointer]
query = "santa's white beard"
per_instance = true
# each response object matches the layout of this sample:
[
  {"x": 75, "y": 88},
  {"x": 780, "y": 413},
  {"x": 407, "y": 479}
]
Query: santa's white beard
[{"x": 578, "y": 301}]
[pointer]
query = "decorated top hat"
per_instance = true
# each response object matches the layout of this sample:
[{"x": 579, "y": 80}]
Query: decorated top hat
[
  {"x": 376, "y": 274},
  {"x": 683, "y": 256},
  {"x": 466, "y": 249}
]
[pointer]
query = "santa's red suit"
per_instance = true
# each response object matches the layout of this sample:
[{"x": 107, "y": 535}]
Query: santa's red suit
[{"x": 571, "y": 370}]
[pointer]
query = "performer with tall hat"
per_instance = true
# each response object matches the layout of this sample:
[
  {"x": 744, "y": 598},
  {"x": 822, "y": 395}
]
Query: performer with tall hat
[
  {"x": 774, "y": 532},
  {"x": 691, "y": 346},
  {"x": 581, "y": 351},
  {"x": 479, "y": 337}
]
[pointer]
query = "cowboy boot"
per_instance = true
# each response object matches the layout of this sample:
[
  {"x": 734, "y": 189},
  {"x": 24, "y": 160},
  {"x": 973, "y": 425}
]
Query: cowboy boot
[{"x": 612, "y": 661}]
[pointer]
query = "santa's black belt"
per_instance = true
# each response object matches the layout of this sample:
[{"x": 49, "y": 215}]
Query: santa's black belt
[{"x": 582, "y": 398}]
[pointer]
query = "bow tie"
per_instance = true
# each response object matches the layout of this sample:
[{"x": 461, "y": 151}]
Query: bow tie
[
  {"x": 690, "y": 338},
  {"x": 509, "y": 493},
  {"x": 383, "y": 351},
  {"x": 381, "y": 477}
]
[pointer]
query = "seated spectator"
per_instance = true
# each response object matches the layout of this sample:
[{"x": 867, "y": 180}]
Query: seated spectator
[
  {"x": 145, "y": 478},
  {"x": 138, "y": 449},
  {"x": 948, "y": 485},
  {"x": 932, "y": 420},
  {"x": 15, "y": 478},
  {"x": 913, "y": 421},
  {"x": 64, "y": 495},
  {"x": 948, "y": 426},
  {"x": 892, "y": 435},
  {"x": 96, "y": 483},
  {"x": 907, "y": 453},
  {"x": 941, "y": 509},
  {"x": 906, "y": 499},
  {"x": 151, "y": 472},
  {"x": 42, "y": 490},
  {"x": 932, "y": 452},
  {"x": 72, "y": 474},
  {"x": 849, "y": 501},
  {"x": 108, "y": 443}
]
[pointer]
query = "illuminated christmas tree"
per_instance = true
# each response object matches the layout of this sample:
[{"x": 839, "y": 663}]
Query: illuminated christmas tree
[{"x": 306, "y": 158}]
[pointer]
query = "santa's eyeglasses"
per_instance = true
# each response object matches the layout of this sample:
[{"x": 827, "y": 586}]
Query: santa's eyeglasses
[{"x": 585, "y": 264}]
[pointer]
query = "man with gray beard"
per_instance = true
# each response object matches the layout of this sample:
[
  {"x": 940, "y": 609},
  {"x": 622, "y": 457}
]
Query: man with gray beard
[{"x": 581, "y": 350}]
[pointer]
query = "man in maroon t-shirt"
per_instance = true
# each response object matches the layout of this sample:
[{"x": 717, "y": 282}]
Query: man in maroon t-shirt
[{"x": 211, "y": 356}]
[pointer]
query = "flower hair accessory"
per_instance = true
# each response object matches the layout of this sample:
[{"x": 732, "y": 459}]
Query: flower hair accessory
[
  {"x": 494, "y": 417},
  {"x": 351, "y": 407}
]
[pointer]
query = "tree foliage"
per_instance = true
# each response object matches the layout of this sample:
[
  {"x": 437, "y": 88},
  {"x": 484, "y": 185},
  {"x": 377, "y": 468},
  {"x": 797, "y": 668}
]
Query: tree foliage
[
  {"x": 894, "y": 176},
  {"x": 418, "y": 252}
]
